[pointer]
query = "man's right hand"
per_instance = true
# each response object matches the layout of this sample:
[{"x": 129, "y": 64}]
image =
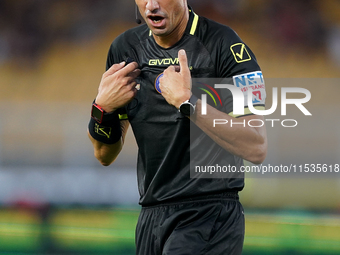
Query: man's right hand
[{"x": 118, "y": 86}]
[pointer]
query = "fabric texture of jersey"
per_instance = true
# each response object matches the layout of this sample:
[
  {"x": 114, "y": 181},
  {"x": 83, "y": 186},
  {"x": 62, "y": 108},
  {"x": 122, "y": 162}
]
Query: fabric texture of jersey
[{"x": 163, "y": 135}]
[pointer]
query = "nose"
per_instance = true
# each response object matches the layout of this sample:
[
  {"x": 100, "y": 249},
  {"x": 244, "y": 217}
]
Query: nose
[{"x": 152, "y": 5}]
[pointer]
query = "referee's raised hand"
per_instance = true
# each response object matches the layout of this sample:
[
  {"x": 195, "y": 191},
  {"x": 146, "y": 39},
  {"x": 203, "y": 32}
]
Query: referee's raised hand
[
  {"x": 118, "y": 86},
  {"x": 176, "y": 82}
]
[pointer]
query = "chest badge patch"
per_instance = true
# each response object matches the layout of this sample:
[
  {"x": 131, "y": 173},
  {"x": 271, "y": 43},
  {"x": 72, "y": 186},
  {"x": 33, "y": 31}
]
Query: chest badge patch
[{"x": 157, "y": 83}]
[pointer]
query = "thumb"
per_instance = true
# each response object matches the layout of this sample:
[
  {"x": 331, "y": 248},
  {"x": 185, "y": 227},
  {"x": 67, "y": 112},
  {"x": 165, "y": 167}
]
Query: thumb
[
  {"x": 183, "y": 62},
  {"x": 114, "y": 68}
]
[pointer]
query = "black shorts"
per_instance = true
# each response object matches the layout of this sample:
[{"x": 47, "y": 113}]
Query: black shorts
[{"x": 213, "y": 226}]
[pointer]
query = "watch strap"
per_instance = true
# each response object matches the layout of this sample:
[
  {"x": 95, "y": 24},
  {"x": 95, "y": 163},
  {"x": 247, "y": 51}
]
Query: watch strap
[{"x": 193, "y": 100}]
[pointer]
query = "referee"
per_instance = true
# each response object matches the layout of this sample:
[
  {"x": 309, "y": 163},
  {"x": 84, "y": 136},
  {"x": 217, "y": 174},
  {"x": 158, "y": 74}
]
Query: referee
[{"x": 148, "y": 85}]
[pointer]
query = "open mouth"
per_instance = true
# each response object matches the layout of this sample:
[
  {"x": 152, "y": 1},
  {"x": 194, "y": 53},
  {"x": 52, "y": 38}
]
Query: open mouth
[{"x": 156, "y": 19}]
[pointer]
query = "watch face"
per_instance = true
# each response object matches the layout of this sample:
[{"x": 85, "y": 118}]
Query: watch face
[
  {"x": 187, "y": 109},
  {"x": 97, "y": 113}
]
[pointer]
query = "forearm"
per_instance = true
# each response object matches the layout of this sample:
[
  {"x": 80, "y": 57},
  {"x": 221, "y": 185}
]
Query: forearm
[
  {"x": 249, "y": 143},
  {"x": 107, "y": 153},
  {"x": 117, "y": 88}
]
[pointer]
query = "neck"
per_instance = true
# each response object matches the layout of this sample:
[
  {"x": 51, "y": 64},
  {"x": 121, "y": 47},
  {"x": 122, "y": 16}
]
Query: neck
[{"x": 166, "y": 41}]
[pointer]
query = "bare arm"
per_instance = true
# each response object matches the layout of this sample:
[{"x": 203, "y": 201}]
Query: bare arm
[
  {"x": 249, "y": 143},
  {"x": 117, "y": 88},
  {"x": 107, "y": 153}
]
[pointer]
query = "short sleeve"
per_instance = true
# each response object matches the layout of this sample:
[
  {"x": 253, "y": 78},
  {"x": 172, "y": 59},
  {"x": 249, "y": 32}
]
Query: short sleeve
[{"x": 239, "y": 65}]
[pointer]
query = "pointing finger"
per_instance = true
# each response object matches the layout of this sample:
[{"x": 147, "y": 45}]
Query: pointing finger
[
  {"x": 183, "y": 62},
  {"x": 113, "y": 69},
  {"x": 128, "y": 69}
]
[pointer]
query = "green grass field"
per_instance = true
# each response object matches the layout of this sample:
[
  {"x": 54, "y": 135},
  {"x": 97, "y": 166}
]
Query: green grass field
[{"x": 111, "y": 231}]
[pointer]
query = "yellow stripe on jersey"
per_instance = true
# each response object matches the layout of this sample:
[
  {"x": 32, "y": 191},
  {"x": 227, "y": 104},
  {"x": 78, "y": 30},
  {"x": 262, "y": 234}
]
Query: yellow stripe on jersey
[
  {"x": 246, "y": 111},
  {"x": 194, "y": 24}
]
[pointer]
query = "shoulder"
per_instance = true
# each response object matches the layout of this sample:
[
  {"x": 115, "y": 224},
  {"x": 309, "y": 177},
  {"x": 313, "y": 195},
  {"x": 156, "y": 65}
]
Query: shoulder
[
  {"x": 212, "y": 32},
  {"x": 126, "y": 45},
  {"x": 130, "y": 38},
  {"x": 228, "y": 52}
]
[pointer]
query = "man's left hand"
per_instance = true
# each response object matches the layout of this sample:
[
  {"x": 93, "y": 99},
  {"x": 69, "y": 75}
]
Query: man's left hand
[{"x": 176, "y": 82}]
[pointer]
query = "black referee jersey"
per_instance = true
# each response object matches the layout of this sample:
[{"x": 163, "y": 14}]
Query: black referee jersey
[{"x": 161, "y": 131}]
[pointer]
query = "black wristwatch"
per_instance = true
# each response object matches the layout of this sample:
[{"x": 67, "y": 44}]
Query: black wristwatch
[
  {"x": 101, "y": 116},
  {"x": 97, "y": 113},
  {"x": 187, "y": 108}
]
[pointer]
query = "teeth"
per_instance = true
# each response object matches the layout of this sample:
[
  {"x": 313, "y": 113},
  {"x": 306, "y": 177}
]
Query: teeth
[{"x": 156, "y": 19}]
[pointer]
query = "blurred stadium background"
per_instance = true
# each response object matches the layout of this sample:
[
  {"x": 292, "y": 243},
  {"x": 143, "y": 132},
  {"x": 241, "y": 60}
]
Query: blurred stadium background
[{"x": 56, "y": 199}]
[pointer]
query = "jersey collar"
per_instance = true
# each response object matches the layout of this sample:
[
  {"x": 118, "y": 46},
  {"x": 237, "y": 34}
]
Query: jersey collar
[{"x": 192, "y": 23}]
